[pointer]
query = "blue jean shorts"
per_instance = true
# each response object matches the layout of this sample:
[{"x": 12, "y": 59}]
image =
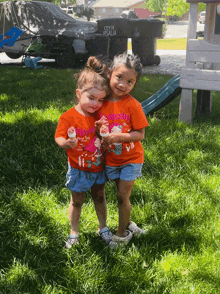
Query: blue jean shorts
[
  {"x": 81, "y": 181},
  {"x": 127, "y": 172}
]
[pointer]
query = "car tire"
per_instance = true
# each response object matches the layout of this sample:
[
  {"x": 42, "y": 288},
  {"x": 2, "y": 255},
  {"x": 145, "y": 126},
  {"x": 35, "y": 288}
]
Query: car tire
[
  {"x": 13, "y": 55},
  {"x": 66, "y": 59}
]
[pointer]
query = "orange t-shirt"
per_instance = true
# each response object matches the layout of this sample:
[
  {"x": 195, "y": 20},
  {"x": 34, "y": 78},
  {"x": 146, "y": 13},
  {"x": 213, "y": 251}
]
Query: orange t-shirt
[
  {"x": 87, "y": 155},
  {"x": 124, "y": 116}
]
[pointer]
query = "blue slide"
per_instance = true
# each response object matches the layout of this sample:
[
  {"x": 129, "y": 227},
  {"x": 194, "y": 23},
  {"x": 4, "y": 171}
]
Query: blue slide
[{"x": 164, "y": 96}]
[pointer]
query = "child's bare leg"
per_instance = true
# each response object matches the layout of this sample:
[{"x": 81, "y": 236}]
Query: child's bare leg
[
  {"x": 75, "y": 208},
  {"x": 98, "y": 196},
  {"x": 124, "y": 206}
]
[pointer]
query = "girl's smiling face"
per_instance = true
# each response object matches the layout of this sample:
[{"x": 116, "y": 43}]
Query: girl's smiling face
[{"x": 122, "y": 81}]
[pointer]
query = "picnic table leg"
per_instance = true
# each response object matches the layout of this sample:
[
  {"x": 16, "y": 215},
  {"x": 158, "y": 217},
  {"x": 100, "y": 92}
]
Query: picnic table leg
[{"x": 186, "y": 106}]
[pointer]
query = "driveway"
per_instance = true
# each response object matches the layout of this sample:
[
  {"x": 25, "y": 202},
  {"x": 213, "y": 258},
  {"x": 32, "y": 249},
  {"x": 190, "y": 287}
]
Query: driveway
[{"x": 178, "y": 29}]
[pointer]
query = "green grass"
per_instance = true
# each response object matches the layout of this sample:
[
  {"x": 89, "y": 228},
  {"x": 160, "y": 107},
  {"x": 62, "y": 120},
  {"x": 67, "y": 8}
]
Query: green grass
[
  {"x": 176, "y": 200},
  {"x": 168, "y": 44},
  {"x": 172, "y": 44}
]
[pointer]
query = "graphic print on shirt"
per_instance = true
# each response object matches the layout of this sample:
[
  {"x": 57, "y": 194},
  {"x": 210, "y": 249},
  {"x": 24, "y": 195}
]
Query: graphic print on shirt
[
  {"x": 117, "y": 147},
  {"x": 95, "y": 148},
  {"x": 91, "y": 152}
]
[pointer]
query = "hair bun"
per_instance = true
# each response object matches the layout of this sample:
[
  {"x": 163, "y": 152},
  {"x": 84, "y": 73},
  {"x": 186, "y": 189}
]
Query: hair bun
[{"x": 96, "y": 65}]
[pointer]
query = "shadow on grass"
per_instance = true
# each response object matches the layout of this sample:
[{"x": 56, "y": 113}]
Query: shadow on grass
[{"x": 30, "y": 156}]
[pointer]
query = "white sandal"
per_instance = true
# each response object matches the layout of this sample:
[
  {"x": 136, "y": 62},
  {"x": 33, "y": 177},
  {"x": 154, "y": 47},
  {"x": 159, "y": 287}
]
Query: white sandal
[
  {"x": 106, "y": 235},
  {"x": 135, "y": 230},
  {"x": 73, "y": 239},
  {"x": 127, "y": 238}
]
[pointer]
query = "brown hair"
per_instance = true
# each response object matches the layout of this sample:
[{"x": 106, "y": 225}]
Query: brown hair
[
  {"x": 92, "y": 76},
  {"x": 131, "y": 61}
]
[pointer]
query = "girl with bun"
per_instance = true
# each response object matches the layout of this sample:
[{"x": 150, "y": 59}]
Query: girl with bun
[{"x": 83, "y": 147}]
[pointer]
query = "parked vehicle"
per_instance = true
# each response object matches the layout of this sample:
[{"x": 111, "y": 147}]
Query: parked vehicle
[
  {"x": 67, "y": 9},
  {"x": 37, "y": 28},
  {"x": 130, "y": 14},
  {"x": 70, "y": 10},
  {"x": 202, "y": 16}
]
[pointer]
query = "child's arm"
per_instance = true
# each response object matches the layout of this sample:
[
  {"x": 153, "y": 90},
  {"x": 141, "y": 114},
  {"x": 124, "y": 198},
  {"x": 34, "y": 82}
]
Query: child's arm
[
  {"x": 66, "y": 143},
  {"x": 133, "y": 136}
]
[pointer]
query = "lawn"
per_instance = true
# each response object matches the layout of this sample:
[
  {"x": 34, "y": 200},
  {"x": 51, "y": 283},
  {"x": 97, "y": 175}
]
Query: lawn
[
  {"x": 172, "y": 44},
  {"x": 176, "y": 200},
  {"x": 168, "y": 44}
]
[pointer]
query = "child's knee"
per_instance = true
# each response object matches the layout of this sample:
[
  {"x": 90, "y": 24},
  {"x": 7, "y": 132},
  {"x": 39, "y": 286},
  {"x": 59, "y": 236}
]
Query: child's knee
[
  {"x": 101, "y": 199},
  {"x": 123, "y": 201},
  {"x": 77, "y": 204},
  {"x": 77, "y": 200}
]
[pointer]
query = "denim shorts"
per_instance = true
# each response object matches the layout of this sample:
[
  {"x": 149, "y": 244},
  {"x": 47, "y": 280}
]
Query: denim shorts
[
  {"x": 127, "y": 172},
  {"x": 78, "y": 180}
]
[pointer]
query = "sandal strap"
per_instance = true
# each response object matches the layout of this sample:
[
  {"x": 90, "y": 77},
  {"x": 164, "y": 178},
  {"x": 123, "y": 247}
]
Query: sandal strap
[
  {"x": 73, "y": 236},
  {"x": 72, "y": 239},
  {"x": 106, "y": 235}
]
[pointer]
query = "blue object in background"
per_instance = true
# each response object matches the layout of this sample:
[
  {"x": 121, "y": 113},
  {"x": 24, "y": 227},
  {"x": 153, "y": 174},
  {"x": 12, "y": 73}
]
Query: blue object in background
[
  {"x": 13, "y": 34},
  {"x": 32, "y": 62},
  {"x": 164, "y": 96}
]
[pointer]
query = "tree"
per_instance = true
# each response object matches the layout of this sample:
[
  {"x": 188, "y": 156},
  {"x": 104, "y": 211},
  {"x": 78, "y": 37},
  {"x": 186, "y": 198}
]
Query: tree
[
  {"x": 201, "y": 6},
  {"x": 58, "y": 2},
  {"x": 87, "y": 12},
  {"x": 176, "y": 8},
  {"x": 155, "y": 5},
  {"x": 168, "y": 7}
]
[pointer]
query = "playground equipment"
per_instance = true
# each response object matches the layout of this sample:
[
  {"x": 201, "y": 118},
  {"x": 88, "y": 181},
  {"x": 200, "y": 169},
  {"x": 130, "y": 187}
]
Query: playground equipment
[
  {"x": 164, "y": 96},
  {"x": 202, "y": 71}
]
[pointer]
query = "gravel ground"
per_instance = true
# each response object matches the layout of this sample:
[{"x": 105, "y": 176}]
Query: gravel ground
[{"x": 171, "y": 62}]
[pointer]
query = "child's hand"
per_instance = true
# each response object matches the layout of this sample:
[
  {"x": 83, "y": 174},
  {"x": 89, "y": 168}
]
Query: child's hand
[
  {"x": 71, "y": 143},
  {"x": 112, "y": 138},
  {"x": 66, "y": 143}
]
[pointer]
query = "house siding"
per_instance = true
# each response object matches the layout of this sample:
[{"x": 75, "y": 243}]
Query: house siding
[
  {"x": 107, "y": 12},
  {"x": 144, "y": 13},
  {"x": 110, "y": 12}
]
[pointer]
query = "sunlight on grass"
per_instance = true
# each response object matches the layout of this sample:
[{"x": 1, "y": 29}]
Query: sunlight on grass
[
  {"x": 4, "y": 97},
  {"x": 19, "y": 275},
  {"x": 168, "y": 44},
  {"x": 35, "y": 115},
  {"x": 172, "y": 44}
]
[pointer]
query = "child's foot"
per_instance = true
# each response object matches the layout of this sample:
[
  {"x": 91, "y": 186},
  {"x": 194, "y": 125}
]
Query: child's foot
[
  {"x": 73, "y": 239},
  {"x": 135, "y": 230},
  {"x": 127, "y": 238},
  {"x": 106, "y": 235}
]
